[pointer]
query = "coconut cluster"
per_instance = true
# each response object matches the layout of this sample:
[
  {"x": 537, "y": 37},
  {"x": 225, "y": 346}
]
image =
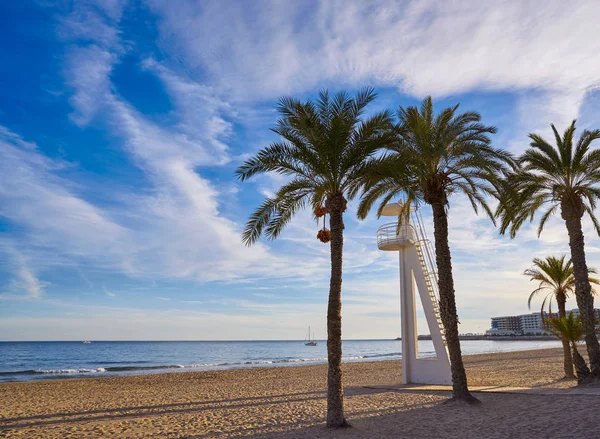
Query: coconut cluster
[
  {"x": 323, "y": 235},
  {"x": 320, "y": 211}
]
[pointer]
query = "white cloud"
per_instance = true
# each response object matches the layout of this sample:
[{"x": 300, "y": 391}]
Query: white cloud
[
  {"x": 87, "y": 70},
  {"x": 93, "y": 20},
  {"x": 25, "y": 278},
  {"x": 197, "y": 102},
  {"x": 179, "y": 224},
  {"x": 33, "y": 196},
  {"x": 94, "y": 45},
  {"x": 424, "y": 47}
]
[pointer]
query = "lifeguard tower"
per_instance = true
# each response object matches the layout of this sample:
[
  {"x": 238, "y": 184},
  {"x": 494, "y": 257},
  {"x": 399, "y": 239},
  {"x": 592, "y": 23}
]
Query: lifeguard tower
[{"x": 417, "y": 268}]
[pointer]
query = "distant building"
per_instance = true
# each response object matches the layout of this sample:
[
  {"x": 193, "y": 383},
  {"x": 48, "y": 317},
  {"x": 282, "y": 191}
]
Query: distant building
[
  {"x": 527, "y": 324},
  {"x": 506, "y": 325},
  {"x": 524, "y": 324},
  {"x": 532, "y": 324}
]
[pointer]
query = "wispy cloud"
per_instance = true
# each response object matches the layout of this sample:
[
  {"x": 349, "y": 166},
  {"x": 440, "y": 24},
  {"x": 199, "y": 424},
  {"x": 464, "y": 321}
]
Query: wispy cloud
[
  {"x": 491, "y": 46},
  {"x": 45, "y": 204},
  {"x": 30, "y": 283},
  {"x": 94, "y": 45}
]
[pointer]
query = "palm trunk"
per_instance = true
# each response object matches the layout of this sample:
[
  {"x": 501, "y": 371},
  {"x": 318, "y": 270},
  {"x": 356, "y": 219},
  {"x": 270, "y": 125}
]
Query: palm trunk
[
  {"x": 460, "y": 390},
  {"x": 561, "y": 301},
  {"x": 582, "y": 370},
  {"x": 335, "y": 391},
  {"x": 583, "y": 289}
]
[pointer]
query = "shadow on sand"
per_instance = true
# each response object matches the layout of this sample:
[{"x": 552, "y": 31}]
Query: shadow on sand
[{"x": 501, "y": 416}]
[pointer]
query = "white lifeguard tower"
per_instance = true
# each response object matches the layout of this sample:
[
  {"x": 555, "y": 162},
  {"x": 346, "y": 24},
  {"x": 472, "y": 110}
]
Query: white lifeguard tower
[{"x": 417, "y": 267}]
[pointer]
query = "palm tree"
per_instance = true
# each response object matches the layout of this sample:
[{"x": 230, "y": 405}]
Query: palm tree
[
  {"x": 433, "y": 158},
  {"x": 556, "y": 280},
  {"x": 324, "y": 146},
  {"x": 570, "y": 328},
  {"x": 565, "y": 176}
]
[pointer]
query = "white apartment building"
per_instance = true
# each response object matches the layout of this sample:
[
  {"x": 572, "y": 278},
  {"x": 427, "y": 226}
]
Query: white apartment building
[{"x": 532, "y": 324}]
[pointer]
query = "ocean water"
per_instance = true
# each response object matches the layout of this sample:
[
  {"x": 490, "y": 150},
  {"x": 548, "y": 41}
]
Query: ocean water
[{"x": 25, "y": 361}]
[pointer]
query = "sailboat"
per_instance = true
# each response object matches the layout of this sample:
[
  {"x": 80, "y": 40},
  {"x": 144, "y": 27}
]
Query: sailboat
[{"x": 308, "y": 341}]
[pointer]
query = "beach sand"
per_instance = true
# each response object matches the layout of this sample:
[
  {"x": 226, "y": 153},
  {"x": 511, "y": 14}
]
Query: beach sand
[{"x": 290, "y": 402}]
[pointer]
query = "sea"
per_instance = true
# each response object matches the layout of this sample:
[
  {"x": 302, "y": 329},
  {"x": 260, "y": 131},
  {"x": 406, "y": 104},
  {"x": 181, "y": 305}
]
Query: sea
[{"x": 27, "y": 361}]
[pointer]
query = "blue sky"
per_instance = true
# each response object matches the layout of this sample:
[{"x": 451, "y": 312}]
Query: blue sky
[{"x": 122, "y": 122}]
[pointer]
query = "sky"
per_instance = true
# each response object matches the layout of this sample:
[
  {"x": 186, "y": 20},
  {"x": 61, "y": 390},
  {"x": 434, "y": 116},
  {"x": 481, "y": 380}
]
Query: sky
[{"x": 122, "y": 123}]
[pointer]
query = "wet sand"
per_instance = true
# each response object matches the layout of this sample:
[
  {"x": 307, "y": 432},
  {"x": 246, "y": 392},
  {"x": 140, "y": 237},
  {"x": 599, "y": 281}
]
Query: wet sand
[{"x": 290, "y": 402}]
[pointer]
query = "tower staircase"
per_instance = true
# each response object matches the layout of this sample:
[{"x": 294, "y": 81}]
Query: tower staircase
[{"x": 418, "y": 279}]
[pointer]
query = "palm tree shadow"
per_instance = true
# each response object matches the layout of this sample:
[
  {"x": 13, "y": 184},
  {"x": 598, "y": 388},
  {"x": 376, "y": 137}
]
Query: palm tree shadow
[
  {"x": 312, "y": 429},
  {"x": 153, "y": 410},
  {"x": 499, "y": 417},
  {"x": 130, "y": 412}
]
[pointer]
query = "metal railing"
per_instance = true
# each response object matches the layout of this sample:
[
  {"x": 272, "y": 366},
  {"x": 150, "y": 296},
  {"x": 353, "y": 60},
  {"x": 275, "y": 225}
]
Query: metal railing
[
  {"x": 394, "y": 233},
  {"x": 426, "y": 255},
  {"x": 428, "y": 252}
]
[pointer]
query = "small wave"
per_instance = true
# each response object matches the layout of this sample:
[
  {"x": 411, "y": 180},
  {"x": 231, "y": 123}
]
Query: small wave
[
  {"x": 70, "y": 371},
  {"x": 18, "y": 372},
  {"x": 194, "y": 366},
  {"x": 140, "y": 368},
  {"x": 393, "y": 354},
  {"x": 120, "y": 362},
  {"x": 52, "y": 371}
]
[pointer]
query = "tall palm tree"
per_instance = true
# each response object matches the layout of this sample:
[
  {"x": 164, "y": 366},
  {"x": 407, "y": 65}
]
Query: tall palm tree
[
  {"x": 433, "y": 158},
  {"x": 324, "y": 145},
  {"x": 570, "y": 328},
  {"x": 564, "y": 176}
]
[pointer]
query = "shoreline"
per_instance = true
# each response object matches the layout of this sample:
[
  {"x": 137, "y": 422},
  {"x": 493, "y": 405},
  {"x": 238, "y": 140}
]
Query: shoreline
[
  {"x": 498, "y": 337},
  {"x": 100, "y": 371},
  {"x": 383, "y": 364},
  {"x": 166, "y": 371}
]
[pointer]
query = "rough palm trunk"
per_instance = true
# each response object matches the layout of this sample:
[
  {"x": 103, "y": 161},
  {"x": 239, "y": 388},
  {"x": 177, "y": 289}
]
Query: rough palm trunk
[
  {"x": 583, "y": 288},
  {"x": 335, "y": 392},
  {"x": 582, "y": 370},
  {"x": 561, "y": 301},
  {"x": 460, "y": 390}
]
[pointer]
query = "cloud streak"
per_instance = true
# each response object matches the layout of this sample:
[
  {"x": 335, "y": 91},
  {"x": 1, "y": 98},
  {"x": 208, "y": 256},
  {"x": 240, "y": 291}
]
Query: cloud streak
[{"x": 423, "y": 47}]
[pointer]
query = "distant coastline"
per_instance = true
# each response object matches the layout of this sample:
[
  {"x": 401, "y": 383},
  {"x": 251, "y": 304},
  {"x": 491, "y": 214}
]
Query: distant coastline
[{"x": 496, "y": 337}]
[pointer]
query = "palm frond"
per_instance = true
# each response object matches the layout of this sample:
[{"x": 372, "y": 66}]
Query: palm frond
[
  {"x": 445, "y": 153},
  {"x": 555, "y": 276},
  {"x": 550, "y": 176},
  {"x": 324, "y": 148},
  {"x": 258, "y": 221},
  {"x": 569, "y": 327}
]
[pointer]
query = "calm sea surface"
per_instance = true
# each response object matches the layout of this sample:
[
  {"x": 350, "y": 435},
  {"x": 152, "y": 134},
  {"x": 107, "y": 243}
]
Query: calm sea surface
[{"x": 25, "y": 361}]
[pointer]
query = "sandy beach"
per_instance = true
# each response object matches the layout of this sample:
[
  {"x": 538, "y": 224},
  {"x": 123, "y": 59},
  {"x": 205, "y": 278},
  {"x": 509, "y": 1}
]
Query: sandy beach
[{"x": 290, "y": 402}]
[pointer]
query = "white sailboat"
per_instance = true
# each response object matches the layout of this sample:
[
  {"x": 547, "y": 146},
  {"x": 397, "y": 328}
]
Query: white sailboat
[{"x": 308, "y": 341}]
